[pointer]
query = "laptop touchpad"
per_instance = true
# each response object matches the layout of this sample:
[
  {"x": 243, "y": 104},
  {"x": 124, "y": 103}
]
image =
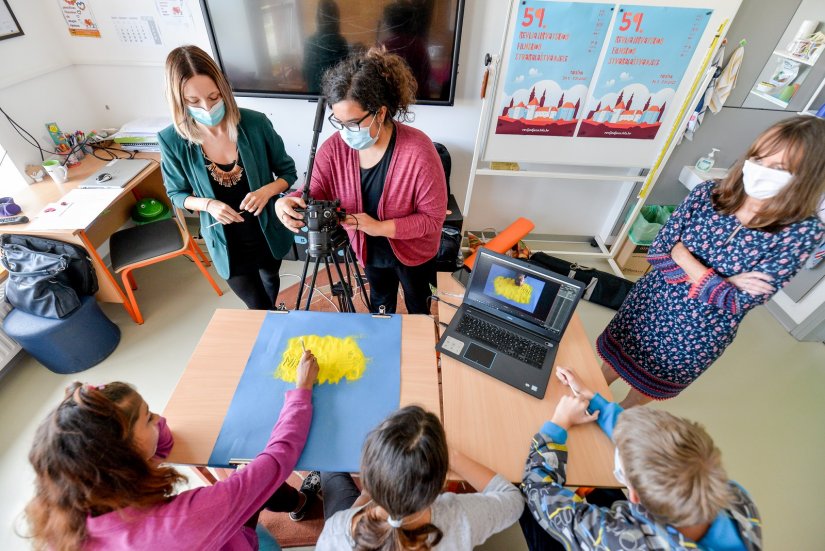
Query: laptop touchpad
[{"x": 480, "y": 355}]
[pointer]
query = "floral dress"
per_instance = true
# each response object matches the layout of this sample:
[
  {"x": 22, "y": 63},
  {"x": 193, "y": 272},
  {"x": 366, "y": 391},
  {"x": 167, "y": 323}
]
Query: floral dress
[{"x": 669, "y": 330}]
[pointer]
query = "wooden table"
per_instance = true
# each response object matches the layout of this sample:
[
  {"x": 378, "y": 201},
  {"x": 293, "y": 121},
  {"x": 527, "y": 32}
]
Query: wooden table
[
  {"x": 494, "y": 423},
  {"x": 201, "y": 399},
  {"x": 32, "y": 199}
]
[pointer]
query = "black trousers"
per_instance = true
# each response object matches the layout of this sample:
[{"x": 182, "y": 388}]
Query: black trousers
[
  {"x": 340, "y": 492},
  {"x": 539, "y": 540},
  {"x": 284, "y": 500},
  {"x": 414, "y": 280},
  {"x": 258, "y": 289}
]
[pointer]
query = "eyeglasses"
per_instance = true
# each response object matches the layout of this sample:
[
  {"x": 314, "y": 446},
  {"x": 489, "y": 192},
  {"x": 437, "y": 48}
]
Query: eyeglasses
[{"x": 352, "y": 126}]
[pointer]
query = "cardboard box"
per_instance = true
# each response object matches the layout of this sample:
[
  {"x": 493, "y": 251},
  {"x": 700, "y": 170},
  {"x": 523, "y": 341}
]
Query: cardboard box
[{"x": 632, "y": 258}]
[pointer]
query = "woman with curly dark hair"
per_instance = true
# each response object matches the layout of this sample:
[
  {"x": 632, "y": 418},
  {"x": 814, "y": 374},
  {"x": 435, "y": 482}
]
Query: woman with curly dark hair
[
  {"x": 100, "y": 483},
  {"x": 387, "y": 175}
]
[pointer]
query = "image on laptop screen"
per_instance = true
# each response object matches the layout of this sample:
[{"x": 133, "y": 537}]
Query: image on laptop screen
[{"x": 509, "y": 286}]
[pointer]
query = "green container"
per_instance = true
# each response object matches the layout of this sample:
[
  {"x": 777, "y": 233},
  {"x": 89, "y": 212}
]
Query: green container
[
  {"x": 650, "y": 220},
  {"x": 146, "y": 211}
]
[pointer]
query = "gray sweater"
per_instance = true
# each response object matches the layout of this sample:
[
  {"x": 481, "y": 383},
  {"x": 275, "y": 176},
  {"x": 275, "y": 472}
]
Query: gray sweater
[{"x": 466, "y": 520}]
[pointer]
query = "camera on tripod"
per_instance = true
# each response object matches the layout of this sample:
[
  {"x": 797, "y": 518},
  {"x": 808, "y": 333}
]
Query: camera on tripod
[{"x": 323, "y": 221}]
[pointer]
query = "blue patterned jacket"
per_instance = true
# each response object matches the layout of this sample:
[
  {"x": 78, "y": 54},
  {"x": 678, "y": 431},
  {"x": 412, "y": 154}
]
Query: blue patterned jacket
[{"x": 579, "y": 525}]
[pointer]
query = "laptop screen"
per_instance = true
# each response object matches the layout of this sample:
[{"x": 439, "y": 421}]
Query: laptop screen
[{"x": 524, "y": 291}]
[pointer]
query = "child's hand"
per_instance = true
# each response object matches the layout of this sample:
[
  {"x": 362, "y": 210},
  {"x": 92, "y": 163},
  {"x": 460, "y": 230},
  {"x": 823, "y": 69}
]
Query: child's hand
[
  {"x": 568, "y": 378},
  {"x": 307, "y": 371},
  {"x": 572, "y": 411}
]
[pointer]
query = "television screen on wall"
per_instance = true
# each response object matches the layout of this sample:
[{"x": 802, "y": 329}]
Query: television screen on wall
[{"x": 281, "y": 48}]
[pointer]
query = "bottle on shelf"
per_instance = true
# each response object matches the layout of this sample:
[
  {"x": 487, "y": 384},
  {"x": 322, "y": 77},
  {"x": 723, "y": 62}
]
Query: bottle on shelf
[{"x": 705, "y": 163}]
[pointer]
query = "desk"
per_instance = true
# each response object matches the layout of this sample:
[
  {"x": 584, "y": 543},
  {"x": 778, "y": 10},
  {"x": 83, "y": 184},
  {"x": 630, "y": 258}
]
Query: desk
[
  {"x": 32, "y": 199},
  {"x": 199, "y": 403},
  {"x": 494, "y": 423}
]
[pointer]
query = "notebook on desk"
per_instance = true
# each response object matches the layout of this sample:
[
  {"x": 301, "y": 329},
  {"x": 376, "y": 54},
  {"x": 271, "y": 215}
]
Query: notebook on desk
[
  {"x": 511, "y": 321},
  {"x": 115, "y": 174}
]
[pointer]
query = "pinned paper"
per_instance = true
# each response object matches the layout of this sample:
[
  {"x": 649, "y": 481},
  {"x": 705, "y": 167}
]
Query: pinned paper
[{"x": 79, "y": 18}]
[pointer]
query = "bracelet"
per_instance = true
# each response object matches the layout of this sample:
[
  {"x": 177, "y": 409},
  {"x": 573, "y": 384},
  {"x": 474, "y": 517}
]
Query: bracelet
[{"x": 207, "y": 204}]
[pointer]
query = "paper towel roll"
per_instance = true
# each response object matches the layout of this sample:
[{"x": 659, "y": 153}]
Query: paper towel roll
[{"x": 806, "y": 29}]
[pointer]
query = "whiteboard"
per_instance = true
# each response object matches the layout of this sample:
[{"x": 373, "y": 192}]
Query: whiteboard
[{"x": 662, "y": 20}]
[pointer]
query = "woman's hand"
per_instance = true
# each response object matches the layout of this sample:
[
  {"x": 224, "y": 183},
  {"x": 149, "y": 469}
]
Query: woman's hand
[
  {"x": 370, "y": 226},
  {"x": 285, "y": 209},
  {"x": 307, "y": 371},
  {"x": 568, "y": 378},
  {"x": 753, "y": 283},
  {"x": 222, "y": 212},
  {"x": 571, "y": 411},
  {"x": 255, "y": 201}
]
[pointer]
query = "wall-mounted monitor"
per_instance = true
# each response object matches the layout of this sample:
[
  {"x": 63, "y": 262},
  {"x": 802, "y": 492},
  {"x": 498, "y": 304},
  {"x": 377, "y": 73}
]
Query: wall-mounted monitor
[{"x": 281, "y": 48}]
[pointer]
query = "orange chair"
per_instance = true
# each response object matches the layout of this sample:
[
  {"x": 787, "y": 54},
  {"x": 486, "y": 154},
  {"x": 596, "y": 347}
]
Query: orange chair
[{"x": 150, "y": 243}]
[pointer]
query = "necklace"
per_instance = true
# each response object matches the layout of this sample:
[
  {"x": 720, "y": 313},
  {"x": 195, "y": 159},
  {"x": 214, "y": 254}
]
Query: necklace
[{"x": 226, "y": 178}]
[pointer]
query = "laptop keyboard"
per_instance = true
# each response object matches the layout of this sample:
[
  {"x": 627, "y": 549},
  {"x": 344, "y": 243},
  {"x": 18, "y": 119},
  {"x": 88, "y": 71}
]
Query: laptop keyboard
[{"x": 502, "y": 340}]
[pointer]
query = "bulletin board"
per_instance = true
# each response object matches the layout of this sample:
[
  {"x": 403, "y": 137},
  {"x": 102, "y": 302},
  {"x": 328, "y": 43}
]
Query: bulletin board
[{"x": 596, "y": 83}]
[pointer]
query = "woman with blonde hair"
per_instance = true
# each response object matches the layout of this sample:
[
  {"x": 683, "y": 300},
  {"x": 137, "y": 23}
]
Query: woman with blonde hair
[
  {"x": 229, "y": 164},
  {"x": 729, "y": 247}
]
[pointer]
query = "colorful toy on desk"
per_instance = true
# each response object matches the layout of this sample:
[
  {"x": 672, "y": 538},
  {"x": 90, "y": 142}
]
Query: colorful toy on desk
[{"x": 150, "y": 210}]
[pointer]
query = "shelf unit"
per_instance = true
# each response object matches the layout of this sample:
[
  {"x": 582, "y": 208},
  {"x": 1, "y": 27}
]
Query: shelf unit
[
  {"x": 816, "y": 100},
  {"x": 787, "y": 55},
  {"x": 764, "y": 96}
]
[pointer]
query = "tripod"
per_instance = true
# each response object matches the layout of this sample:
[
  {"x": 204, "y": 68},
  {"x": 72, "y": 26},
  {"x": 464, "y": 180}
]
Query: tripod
[{"x": 333, "y": 245}]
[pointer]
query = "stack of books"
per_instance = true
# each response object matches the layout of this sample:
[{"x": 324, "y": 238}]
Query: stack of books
[{"x": 141, "y": 134}]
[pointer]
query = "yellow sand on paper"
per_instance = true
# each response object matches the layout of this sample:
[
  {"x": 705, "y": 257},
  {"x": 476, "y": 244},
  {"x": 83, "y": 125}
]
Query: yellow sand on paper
[
  {"x": 506, "y": 287},
  {"x": 338, "y": 358}
]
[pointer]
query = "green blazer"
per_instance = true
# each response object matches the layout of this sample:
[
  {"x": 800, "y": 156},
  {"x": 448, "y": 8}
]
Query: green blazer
[{"x": 264, "y": 159}]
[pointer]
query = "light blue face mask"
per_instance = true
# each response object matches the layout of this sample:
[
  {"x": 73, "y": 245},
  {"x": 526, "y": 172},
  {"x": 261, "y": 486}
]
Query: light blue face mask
[
  {"x": 210, "y": 118},
  {"x": 360, "y": 139}
]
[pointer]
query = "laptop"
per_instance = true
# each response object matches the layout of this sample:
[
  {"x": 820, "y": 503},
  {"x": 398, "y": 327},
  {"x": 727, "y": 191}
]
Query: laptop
[
  {"x": 511, "y": 321},
  {"x": 115, "y": 174}
]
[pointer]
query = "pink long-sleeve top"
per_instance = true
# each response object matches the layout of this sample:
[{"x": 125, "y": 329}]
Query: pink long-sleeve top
[
  {"x": 415, "y": 192},
  {"x": 211, "y": 518}
]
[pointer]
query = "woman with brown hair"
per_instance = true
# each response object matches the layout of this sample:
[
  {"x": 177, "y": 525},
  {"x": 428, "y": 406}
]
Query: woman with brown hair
[
  {"x": 100, "y": 485},
  {"x": 229, "y": 164},
  {"x": 404, "y": 466},
  {"x": 387, "y": 175},
  {"x": 727, "y": 249}
]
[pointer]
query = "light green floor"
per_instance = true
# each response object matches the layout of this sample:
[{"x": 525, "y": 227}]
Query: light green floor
[{"x": 761, "y": 403}]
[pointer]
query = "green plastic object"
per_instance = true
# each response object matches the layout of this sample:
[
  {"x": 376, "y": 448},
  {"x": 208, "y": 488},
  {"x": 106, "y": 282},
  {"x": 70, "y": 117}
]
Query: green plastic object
[
  {"x": 150, "y": 210},
  {"x": 649, "y": 222}
]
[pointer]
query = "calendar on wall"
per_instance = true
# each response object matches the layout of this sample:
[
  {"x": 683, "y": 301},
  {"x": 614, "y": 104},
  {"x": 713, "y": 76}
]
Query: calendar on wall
[{"x": 137, "y": 29}]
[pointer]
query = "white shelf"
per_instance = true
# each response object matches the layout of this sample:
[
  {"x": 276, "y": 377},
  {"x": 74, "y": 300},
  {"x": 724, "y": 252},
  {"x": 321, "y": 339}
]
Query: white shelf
[
  {"x": 779, "y": 102},
  {"x": 560, "y": 175},
  {"x": 786, "y": 55},
  {"x": 810, "y": 113}
]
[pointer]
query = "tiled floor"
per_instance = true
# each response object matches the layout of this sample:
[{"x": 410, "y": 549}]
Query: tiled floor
[{"x": 761, "y": 402}]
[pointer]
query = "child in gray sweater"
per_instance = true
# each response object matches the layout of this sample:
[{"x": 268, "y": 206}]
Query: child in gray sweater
[{"x": 404, "y": 465}]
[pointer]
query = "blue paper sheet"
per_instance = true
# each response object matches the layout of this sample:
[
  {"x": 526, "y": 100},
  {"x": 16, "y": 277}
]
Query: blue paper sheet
[{"x": 343, "y": 413}]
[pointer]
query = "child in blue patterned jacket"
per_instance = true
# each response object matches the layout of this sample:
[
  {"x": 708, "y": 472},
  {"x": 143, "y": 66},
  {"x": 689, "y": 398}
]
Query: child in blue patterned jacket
[{"x": 679, "y": 495}]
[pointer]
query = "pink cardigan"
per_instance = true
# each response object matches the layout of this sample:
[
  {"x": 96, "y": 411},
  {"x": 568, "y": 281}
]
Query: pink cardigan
[
  {"x": 211, "y": 518},
  {"x": 415, "y": 192}
]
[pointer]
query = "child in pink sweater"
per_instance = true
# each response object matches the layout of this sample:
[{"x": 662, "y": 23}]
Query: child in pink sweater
[{"x": 100, "y": 484}]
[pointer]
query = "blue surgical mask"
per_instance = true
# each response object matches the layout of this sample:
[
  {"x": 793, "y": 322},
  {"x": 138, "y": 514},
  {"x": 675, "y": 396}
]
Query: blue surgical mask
[
  {"x": 210, "y": 118},
  {"x": 360, "y": 139}
]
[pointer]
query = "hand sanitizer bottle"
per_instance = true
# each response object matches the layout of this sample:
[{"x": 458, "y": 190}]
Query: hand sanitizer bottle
[{"x": 706, "y": 163}]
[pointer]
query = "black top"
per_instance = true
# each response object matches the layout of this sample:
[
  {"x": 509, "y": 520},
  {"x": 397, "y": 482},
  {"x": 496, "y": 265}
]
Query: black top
[
  {"x": 246, "y": 244},
  {"x": 379, "y": 251}
]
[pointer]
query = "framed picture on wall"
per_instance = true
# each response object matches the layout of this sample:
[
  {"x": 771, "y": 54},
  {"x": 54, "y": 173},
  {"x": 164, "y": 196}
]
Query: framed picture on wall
[{"x": 9, "y": 27}]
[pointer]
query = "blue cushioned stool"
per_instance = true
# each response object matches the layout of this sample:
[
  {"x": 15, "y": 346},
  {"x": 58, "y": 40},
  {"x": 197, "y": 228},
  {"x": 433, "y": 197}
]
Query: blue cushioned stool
[{"x": 67, "y": 345}]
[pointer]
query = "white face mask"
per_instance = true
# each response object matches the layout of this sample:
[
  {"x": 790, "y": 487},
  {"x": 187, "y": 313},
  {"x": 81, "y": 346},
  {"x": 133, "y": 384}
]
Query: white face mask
[
  {"x": 618, "y": 468},
  {"x": 762, "y": 182}
]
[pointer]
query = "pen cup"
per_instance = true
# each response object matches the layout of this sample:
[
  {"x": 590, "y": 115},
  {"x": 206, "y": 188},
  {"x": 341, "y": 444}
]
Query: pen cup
[{"x": 58, "y": 172}]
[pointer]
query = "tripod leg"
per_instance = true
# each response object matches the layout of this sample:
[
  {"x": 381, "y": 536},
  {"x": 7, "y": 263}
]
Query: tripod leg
[
  {"x": 359, "y": 278},
  {"x": 312, "y": 284},
  {"x": 302, "y": 283},
  {"x": 347, "y": 290},
  {"x": 332, "y": 285}
]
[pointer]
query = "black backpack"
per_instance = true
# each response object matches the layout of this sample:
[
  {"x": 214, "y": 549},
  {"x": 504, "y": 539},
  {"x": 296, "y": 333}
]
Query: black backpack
[{"x": 46, "y": 276}]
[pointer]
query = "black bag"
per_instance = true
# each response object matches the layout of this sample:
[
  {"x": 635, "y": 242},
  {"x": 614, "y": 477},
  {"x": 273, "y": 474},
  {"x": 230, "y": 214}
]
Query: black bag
[
  {"x": 601, "y": 287},
  {"x": 46, "y": 276},
  {"x": 448, "y": 250}
]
